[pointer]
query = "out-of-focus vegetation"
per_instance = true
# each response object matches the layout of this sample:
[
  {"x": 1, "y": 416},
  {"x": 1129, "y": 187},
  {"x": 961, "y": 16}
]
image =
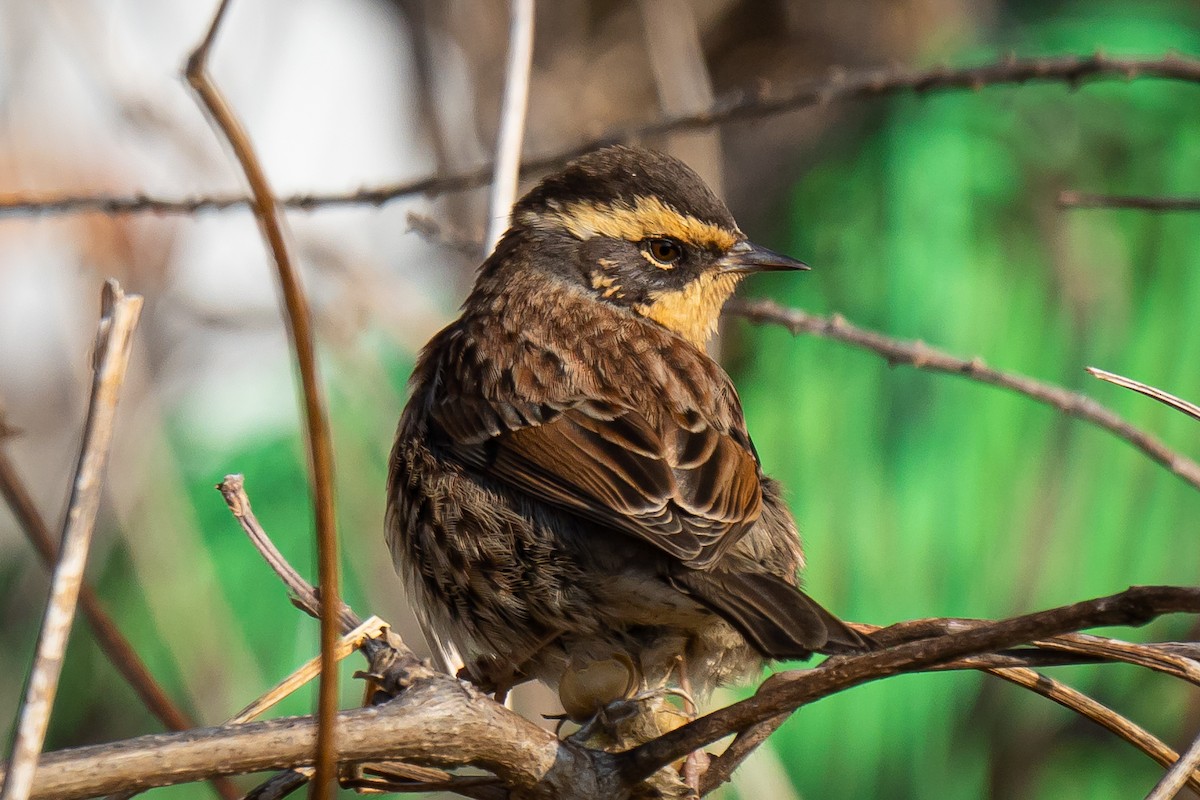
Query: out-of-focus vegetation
[
  {"x": 919, "y": 495},
  {"x": 927, "y": 495}
]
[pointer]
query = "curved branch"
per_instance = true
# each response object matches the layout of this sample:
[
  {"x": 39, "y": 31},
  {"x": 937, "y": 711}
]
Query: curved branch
[
  {"x": 436, "y": 721},
  {"x": 788, "y": 691},
  {"x": 316, "y": 418}
]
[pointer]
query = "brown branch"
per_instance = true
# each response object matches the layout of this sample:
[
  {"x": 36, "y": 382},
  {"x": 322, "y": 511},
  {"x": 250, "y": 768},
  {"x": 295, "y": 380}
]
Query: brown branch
[
  {"x": 1182, "y": 773},
  {"x": 320, "y": 446},
  {"x": 1013, "y": 666},
  {"x": 303, "y": 594},
  {"x": 789, "y": 691},
  {"x": 840, "y": 86},
  {"x": 1073, "y": 199},
  {"x": 921, "y": 356},
  {"x": 114, "y": 341},
  {"x": 1098, "y": 713},
  {"x": 437, "y": 721}
]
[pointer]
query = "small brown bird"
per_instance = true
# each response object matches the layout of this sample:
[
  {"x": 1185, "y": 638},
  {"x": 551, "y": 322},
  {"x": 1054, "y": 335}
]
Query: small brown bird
[{"x": 572, "y": 482}]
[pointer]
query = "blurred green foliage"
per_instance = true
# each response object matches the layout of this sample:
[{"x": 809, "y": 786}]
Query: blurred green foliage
[{"x": 927, "y": 495}]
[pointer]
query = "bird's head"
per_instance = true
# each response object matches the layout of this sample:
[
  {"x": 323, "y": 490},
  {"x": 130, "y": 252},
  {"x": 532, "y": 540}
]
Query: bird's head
[{"x": 640, "y": 230}]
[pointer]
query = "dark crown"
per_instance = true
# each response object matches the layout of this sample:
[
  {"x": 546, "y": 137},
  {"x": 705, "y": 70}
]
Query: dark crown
[{"x": 621, "y": 175}]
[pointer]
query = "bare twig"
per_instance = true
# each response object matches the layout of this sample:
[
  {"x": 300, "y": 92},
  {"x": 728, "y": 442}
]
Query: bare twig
[
  {"x": 921, "y": 356},
  {"x": 304, "y": 595},
  {"x": 388, "y": 649},
  {"x": 320, "y": 446},
  {"x": 1073, "y": 199},
  {"x": 1182, "y": 773},
  {"x": 1007, "y": 666},
  {"x": 1098, "y": 713},
  {"x": 840, "y": 86},
  {"x": 512, "y": 119},
  {"x": 1177, "y": 403},
  {"x": 433, "y": 231},
  {"x": 118, "y": 318}
]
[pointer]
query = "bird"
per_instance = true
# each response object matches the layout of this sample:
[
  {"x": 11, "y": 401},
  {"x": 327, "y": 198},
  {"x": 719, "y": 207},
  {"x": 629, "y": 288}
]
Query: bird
[{"x": 572, "y": 484}]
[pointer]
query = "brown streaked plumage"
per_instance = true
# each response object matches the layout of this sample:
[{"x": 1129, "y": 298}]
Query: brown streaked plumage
[{"x": 572, "y": 480}]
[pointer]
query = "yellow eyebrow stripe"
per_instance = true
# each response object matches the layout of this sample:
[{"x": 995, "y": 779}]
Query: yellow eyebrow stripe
[{"x": 647, "y": 216}]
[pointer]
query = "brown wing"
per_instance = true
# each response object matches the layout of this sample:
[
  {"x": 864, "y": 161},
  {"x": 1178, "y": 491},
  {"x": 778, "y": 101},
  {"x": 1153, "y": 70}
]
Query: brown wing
[{"x": 682, "y": 485}]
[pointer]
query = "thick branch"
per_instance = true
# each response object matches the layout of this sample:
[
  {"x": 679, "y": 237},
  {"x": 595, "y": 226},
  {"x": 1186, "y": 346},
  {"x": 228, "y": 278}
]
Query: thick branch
[
  {"x": 437, "y": 721},
  {"x": 842, "y": 85}
]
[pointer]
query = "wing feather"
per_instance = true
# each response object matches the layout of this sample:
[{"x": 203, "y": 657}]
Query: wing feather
[{"x": 690, "y": 490}]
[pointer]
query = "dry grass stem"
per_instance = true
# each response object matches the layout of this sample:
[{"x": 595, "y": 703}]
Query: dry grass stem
[
  {"x": 346, "y": 645},
  {"x": 507, "y": 169},
  {"x": 318, "y": 437},
  {"x": 114, "y": 341}
]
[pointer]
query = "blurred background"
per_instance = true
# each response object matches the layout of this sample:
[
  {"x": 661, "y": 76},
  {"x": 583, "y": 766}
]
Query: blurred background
[{"x": 928, "y": 218}]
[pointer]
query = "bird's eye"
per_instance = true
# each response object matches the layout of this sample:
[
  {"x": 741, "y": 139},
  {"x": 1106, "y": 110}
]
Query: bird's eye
[{"x": 664, "y": 251}]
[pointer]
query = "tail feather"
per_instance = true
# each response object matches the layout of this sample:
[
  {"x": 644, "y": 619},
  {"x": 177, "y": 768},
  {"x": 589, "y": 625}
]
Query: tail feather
[{"x": 778, "y": 619}]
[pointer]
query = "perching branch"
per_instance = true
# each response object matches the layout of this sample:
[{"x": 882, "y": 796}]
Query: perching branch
[
  {"x": 840, "y": 86},
  {"x": 114, "y": 341},
  {"x": 788, "y": 691},
  {"x": 921, "y": 356},
  {"x": 319, "y": 440}
]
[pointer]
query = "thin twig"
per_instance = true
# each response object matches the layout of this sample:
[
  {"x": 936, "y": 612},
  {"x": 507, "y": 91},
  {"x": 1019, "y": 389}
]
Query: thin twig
[
  {"x": 1098, "y": 713},
  {"x": 921, "y": 356},
  {"x": 118, "y": 318},
  {"x": 720, "y": 769},
  {"x": 304, "y": 595},
  {"x": 840, "y": 86},
  {"x": 1073, "y": 199},
  {"x": 320, "y": 447},
  {"x": 434, "y": 231},
  {"x": 512, "y": 119},
  {"x": 1182, "y": 773},
  {"x": 1167, "y": 399},
  {"x": 108, "y": 635}
]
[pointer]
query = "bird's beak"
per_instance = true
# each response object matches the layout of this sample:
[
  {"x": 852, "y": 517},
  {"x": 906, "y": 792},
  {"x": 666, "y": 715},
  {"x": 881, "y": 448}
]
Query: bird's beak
[{"x": 746, "y": 257}]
